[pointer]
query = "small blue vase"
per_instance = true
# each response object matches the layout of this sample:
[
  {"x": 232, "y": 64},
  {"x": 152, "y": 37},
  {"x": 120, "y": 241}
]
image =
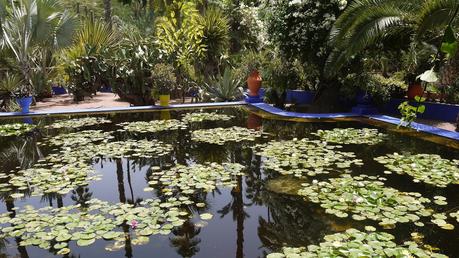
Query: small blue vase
[{"x": 24, "y": 103}]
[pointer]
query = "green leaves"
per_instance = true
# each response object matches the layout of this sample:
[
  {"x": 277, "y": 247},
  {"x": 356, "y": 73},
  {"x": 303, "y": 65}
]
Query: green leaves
[
  {"x": 186, "y": 180},
  {"x": 352, "y": 136},
  {"x": 221, "y": 136},
  {"x": 428, "y": 168},
  {"x": 449, "y": 45},
  {"x": 355, "y": 243},
  {"x": 78, "y": 122},
  {"x": 196, "y": 117},
  {"x": 15, "y": 129},
  {"x": 305, "y": 157},
  {"x": 366, "y": 197},
  {"x": 153, "y": 126}
]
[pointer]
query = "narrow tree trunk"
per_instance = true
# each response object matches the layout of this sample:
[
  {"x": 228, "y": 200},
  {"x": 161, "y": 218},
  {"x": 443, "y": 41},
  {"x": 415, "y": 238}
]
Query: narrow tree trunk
[{"x": 108, "y": 11}]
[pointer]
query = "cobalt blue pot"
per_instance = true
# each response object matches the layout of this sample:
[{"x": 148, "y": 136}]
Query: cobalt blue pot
[{"x": 24, "y": 103}]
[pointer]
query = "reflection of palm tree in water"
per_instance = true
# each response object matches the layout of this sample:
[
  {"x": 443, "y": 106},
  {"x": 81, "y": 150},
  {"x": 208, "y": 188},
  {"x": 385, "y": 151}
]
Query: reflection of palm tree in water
[
  {"x": 122, "y": 198},
  {"x": 185, "y": 240},
  {"x": 237, "y": 206},
  {"x": 10, "y": 207},
  {"x": 81, "y": 196}
]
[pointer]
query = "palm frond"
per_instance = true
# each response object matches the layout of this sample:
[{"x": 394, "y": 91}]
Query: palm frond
[{"x": 436, "y": 13}]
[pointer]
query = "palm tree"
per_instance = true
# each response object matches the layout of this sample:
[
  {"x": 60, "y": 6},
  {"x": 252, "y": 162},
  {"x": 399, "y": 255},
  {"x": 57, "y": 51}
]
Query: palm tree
[
  {"x": 30, "y": 25},
  {"x": 366, "y": 22}
]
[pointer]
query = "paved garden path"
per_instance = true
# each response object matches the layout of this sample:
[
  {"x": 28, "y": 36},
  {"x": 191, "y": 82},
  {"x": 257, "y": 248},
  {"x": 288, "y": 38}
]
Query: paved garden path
[{"x": 65, "y": 102}]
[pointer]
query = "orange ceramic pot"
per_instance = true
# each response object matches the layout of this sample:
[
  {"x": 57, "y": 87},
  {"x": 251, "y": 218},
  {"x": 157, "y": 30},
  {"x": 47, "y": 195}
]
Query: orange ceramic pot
[
  {"x": 415, "y": 90},
  {"x": 254, "y": 83}
]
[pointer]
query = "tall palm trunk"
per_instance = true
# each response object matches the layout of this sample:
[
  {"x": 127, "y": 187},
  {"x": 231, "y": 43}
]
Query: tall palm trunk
[{"x": 108, "y": 11}]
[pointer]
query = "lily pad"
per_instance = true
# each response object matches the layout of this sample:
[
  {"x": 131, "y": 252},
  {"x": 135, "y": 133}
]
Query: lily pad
[
  {"x": 153, "y": 126},
  {"x": 78, "y": 122},
  {"x": 206, "y": 216},
  {"x": 367, "y": 197},
  {"x": 352, "y": 136},
  {"x": 428, "y": 168},
  {"x": 15, "y": 129},
  {"x": 201, "y": 117},
  {"x": 221, "y": 136},
  {"x": 354, "y": 243},
  {"x": 305, "y": 157}
]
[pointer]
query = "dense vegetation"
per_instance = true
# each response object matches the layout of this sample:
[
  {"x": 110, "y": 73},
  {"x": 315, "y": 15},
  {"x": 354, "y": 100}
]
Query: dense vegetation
[{"x": 205, "y": 49}]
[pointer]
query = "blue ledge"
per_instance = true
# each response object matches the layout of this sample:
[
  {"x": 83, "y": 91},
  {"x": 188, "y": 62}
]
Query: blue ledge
[
  {"x": 419, "y": 127},
  {"x": 121, "y": 109},
  {"x": 387, "y": 119},
  {"x": 276, "y": 111}
]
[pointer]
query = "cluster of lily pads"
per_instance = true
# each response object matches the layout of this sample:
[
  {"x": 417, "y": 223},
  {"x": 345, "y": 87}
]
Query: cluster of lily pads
[
  {"x": 153, "y": 126},
  {"x": 366, "y": 197},
  {"x": 78, "y": 122},
  {"x": 220, "y": 135},
  {"x": 439, "y": 219},
  {"x": 15, "y": 129},
  {"x": 352, "y": 136},
  {"x": 201, "y": 117},
  {"x": 305, "y": 157},
  {"x": 355, "y": 243},
  {"x": 53, "y": 228},
  {"x": 428, "y": 168},
  {"x": 189, "y": 179},
  {"x": 80, "y": 138},
  {"x": 58, "y": 178},
  {"x": 455, "y": 215}
]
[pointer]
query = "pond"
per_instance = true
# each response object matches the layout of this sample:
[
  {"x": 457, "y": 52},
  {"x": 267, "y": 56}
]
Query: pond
[{"x": 222, "y": 183}]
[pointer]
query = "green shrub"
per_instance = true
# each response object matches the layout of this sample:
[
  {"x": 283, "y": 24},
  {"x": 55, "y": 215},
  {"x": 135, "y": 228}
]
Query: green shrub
[{"x": 163, "y": 79}]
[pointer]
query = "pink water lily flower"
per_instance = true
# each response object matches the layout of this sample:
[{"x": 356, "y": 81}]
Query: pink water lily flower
[{"x": 134, "y": 224}]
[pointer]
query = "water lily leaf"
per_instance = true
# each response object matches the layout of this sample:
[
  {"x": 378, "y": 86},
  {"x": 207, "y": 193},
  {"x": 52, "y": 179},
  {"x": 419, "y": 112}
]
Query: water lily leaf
[
  {"x": 85, "y": 242},
  {"x": 206, "y": 216}
]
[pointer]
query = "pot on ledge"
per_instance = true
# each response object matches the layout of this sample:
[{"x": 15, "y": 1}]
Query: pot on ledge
[
  {"x": 254, "y": 83},
  {"x": 24, "y": 103}
]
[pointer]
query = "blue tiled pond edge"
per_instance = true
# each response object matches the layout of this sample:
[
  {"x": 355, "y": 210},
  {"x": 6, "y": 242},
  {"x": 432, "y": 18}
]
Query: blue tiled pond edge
[
  {"x": 381, "y": 118},
  {"x": 121, "y": 109},
  {"x": 262, "y": 106}
]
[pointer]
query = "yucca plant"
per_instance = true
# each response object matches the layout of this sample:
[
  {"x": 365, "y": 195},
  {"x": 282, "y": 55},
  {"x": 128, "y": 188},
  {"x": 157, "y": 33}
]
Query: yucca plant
[
  {"x": 226, "y": 87},
  {"x": 215, "y": 38}
]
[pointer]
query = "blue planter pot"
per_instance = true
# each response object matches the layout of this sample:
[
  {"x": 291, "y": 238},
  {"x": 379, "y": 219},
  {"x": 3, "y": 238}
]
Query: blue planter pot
[{"x": 24, "y": 103}]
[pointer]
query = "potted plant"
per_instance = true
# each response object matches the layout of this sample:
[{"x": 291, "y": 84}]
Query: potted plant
[
  {"x": 254, "y": 79},
  {"x": 163, "y": 79},
  {"x": 24, "y": 98}
]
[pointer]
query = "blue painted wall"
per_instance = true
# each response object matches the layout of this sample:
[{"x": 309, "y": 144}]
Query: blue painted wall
[
  {"x": 300, "y": 97},
  {"x": 434, "y": 111}
]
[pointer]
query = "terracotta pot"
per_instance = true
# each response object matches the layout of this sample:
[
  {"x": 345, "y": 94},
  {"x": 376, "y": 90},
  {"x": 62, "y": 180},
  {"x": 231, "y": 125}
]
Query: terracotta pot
[
  {"x": 414, "y": 90},
  {"x": 254, "y": 83}
]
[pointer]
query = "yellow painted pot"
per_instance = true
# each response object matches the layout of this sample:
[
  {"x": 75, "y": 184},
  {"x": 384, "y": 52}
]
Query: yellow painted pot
[{"x": 164, "y": 100}]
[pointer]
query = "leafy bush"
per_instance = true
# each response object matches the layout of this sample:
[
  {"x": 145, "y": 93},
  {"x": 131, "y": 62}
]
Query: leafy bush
[
  {"x": 131, "y": 68},
  {"x": 86, "y": 75},
  {"x": 163, "y": 78}
]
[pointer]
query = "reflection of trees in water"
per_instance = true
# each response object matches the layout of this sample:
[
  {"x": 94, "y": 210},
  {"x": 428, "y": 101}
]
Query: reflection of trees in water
[
  {"x": 22, "y": 152},
  {"x": 293, "y": 221},
  {"x": 50, "y": 197},
  {"x": 81, "y": 196},
  {"x": 185, "y": 239},
  {"x": 10, "y": 207}
]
